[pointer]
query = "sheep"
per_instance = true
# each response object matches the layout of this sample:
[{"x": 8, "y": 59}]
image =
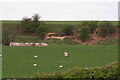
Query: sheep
[
  {"x": 60, "y": 66},
  {"x": 66, "y": 54},
  {"x": 34, "y": 65},
  {"x": 35, "y": 56},
  {"x": 0, "y": 55}
]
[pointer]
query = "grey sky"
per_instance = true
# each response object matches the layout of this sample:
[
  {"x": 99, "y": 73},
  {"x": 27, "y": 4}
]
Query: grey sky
[{"x": 60, "y": 9}]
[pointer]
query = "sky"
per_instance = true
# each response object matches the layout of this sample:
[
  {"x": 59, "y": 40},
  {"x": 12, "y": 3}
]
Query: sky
[{"x": 63, "y": 10}]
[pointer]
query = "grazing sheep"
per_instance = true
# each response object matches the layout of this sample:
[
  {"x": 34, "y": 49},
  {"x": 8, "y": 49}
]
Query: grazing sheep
[
  {"x": 60, "y": 66},
  {"x": 0, "y": 55},
  {"x": 34, "y": 65},
  {"x": 66, "y": 54},
  {"x": 35, "y": 56}
]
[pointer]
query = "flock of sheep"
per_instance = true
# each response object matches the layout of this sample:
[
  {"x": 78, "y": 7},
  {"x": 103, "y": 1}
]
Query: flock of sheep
[
  {"x": 28, "y": 44},
  {"x": 61, "y": 66},
  {"x": 35, "y": 44}
]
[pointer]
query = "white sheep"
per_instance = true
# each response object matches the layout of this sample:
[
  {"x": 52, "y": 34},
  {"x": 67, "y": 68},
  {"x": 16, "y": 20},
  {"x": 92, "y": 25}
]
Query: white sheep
[
  {"x": 34, "y": 65},
  {"x": 0, "y": 55},
  {"x": 35, "y": 56},
  {"x": 66, "y": 54},
  {"x": 60, "y": 66}
]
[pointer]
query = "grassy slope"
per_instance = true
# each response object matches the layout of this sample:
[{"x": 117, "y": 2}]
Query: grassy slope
[
  {"x": 17, "y": 61},
  {"x": 53, "y": 26}
]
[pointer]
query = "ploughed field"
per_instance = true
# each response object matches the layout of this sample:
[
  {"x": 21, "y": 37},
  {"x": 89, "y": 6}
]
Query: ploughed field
[{"x": 18, "y": 61}]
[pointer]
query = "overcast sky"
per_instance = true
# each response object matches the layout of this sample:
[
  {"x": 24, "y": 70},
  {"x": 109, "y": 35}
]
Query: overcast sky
[{"x": 60, "y": 9}]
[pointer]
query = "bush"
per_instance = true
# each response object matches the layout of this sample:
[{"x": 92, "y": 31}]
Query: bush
[
  {"x": 27, "y": 25},
  {"x": 69, "y": 30},
  {"x": 110, "y": 71},
  {"x": 84, "y": 33},
  {"x": 92, "y": 25},
  {"x": 106, "y": 28},
  {"x": 7, "y": 37},
  {"x": 42, "y": 31},
  {"x": 36, "y": 22}
]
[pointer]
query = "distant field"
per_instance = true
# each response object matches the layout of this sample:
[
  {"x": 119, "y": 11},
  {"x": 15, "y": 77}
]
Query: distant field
[
  {"x": 18, "y": 61},
  {"x": 53, "y": 26},
  {"x": 55, "y": 22}
]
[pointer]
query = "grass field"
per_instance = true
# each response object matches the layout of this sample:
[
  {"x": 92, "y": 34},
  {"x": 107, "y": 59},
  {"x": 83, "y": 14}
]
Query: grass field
[{"x": 18, "y": 61}]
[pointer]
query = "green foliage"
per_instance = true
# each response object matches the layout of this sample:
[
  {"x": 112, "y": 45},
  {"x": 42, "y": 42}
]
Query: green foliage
[
  {"x": 42, "y": 31},
  {"x": 106, "y": 28},
  {"x": 30, "y": 24},
  {"x": 69, "y": 30},
  {"x": 84, "y": 33},
  {"x": 110, "y": 41},
  {"x": 27, "y": 25},
  {"x": 26, "y": 38},
  {"x": 92, "y": 25},
  {"x": 85, "y": 23},
  {"x": 118, "y": 23},
  {"x": 61, "y": 42},
  {"x": 36, "y": 22},
  {"x": 107, "y": 72},
  {"x": 7, "y": 37}
]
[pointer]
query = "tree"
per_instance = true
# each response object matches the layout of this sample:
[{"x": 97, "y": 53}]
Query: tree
[
  {"x": 7, "y": 37},
  {"x": 69, "y": 30},
  {"x": 84, "y": 33},
  {"x": 85, "y": 23},
  {"x": 31, "y": 24},
  {"x": 106, "y": 28},
  {"x": 36, "y": 22},
  {"x": 27, "y": 24},
  {"x": 42, "y": 31},
  {"x": 92, "y": 25}
]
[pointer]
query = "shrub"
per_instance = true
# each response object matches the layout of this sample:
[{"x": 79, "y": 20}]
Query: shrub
[
  {"x": 106, "y": 28},
  {"x": 7, "y": 37},
  {"x": 84, "y": 33},
  {"x": 42, "y": 31},
  {"x": 110, "y": 71},
  {"x": 27, "y": 25},
  {"x": 92, "y": 25},
  {"x": 69, "y": 30},
  {"x": 36, "y": 22}
]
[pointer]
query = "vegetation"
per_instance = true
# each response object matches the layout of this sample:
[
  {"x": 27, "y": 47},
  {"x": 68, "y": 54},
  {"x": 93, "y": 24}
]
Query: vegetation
[
  {"x": 93, "y": 25},
  {"x": 20, "y": 59},
  {"x": 109, "y": 41},
  {"x": 61, "y": 42},
  {"x": 36, "y": 22},
  {"x": 7, "y": 37},
  {"x": 84, "y": 33},
  {"x": 69, "y": 30},
  {"x": 27, "y": 25},
  {"x": 110, "y": 71},
  {"x": 106, "y": 28},
  {"x": 42, "y": 31}
]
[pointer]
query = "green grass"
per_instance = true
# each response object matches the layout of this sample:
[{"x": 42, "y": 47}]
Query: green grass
[
  {"x": 53, "y": 22},
  {"x": 18, "y": 61}
]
